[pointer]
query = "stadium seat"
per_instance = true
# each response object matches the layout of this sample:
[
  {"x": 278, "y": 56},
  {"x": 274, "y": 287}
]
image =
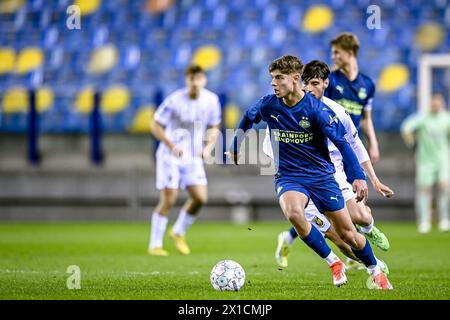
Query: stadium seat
[
  {"x": 393, "y": 77},
  {"x": 29, "y": 59},
  {"x": 103, "y": 59},
  {"x": 207, "y": 57},
  {"x": 87, "y": 6},
  {"x": 142, "y": 119},
  {"x": 115, "y": 99},
  {"x": 7, "y": 60},
  {"x": 16, "y": 100},
  {"x": 317, "y": 18}
]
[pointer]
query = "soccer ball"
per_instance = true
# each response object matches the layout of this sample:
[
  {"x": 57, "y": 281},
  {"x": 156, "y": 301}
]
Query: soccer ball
[{"x": 227, "y": 275}]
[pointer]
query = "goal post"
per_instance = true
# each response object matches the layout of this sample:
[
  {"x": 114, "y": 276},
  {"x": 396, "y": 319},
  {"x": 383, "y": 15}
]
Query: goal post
[{"x": 426, "y": 64}]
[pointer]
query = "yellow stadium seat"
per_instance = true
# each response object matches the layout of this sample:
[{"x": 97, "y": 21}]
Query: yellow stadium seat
[
  {"x": 115, "y": 99},
  {"x": 17, "y": 100},
  {"x": 429, "y": 36},
  {"x": 318, "y": 18},
  {"x": 142, "y": 118},
  {"x": 207, "y": 57},
  {"x": 103, "y": 59},
  {"x": 85, "y": 100},
  {"x": 10, "y": 6},
  {"x": 232, "y": 115},
  {"x": 44, "y": 99},
  {"x": 393, "y": 77},
  {"x": 29, "y": 59},
  {"x": 87, "y": 6},
  {"x": 7, "y": 60}
]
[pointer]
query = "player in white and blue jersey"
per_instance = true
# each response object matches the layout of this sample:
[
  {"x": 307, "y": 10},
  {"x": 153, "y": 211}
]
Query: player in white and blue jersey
[
  {"x": 315, "y": 79},
  {"x": 355, "y": 92},
  {"x": 187, "y": 124},
  {"x": 301, "y": 124}
]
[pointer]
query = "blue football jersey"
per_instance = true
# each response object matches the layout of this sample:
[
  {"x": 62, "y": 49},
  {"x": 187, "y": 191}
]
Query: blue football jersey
[
  {"x": 301, "y": 132},
  {"x": 355, "y": 96}
]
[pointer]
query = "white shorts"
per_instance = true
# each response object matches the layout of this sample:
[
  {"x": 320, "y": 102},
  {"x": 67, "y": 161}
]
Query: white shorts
[
  {"x": 318, "y": 219},
  {"x": 346, "y": 188},
  {"x": 171, "y": 174}
]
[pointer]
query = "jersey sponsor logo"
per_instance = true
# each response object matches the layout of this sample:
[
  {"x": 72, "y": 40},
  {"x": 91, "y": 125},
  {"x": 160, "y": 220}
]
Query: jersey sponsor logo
[
  {"x": 275, "y": 117},
  {"x": 362, "y": 94},
  {"x": 340, "y": 89},
  {"x": 352, "y": 107},
  {"x": 304, "y": 123},
  {"x": 292, "y": 136}
]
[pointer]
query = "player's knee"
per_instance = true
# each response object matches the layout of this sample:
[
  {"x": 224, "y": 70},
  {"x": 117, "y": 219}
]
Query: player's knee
[
  {"x": 365, "y": 216},
  {"x": 200, "y": 199},
  {"x": 294, "y": 213},
  {"x": 362, "y": 216}
]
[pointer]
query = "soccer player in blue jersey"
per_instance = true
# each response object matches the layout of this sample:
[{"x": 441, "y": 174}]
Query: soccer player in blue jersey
[
  {"x": 315, "y": 81},
  {"x": 301, "y": 124},
  {"x": 352, "y": 89}
]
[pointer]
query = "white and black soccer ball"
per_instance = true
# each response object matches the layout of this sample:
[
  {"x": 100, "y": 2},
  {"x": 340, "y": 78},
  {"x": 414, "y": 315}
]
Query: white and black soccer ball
[{"x": 227, "y": 275}]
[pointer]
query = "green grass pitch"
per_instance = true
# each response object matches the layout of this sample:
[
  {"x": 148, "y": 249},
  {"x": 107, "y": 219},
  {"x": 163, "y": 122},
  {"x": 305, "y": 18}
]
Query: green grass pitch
[{"x": 114, "y": 264}]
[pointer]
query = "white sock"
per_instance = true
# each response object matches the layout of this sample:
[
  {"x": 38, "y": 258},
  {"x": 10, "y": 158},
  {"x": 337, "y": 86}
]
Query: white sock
[
  {"x": 157, "y": 229},
  {"x": 183, "y": 222},
  {"x": 374, "y": 270},
  {"x": 367, "y": 229},
  {"x": 331, "y": 258},
  {"x": 289, "y": 239}
]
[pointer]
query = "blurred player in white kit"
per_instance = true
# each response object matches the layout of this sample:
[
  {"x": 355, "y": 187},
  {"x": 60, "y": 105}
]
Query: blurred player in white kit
[{"x": 187, "y": 124}]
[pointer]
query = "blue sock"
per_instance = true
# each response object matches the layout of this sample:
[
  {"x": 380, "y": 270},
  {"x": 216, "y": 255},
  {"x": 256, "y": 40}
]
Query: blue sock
[
  {"x": 366, "y": 255},
  {"x": 317, "y": 242},
  {"x": 293, "y": 233}
]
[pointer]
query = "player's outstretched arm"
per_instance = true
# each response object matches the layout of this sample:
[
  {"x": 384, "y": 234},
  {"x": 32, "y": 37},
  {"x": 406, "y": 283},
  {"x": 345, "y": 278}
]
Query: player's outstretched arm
[
  {"x": 245, "y": 124},
  {"x": 407, "y": 128},
  {"x": 251, "y": 116},
  {"x": 379, "y": 187}
]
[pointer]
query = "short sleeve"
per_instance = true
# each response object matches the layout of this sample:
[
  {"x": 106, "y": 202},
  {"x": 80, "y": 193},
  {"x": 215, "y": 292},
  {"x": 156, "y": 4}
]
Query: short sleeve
[
  {"x": 329, "y": 122},
  {"x": 411, "y": 123},
  {"x": 164, "y": 112}
]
